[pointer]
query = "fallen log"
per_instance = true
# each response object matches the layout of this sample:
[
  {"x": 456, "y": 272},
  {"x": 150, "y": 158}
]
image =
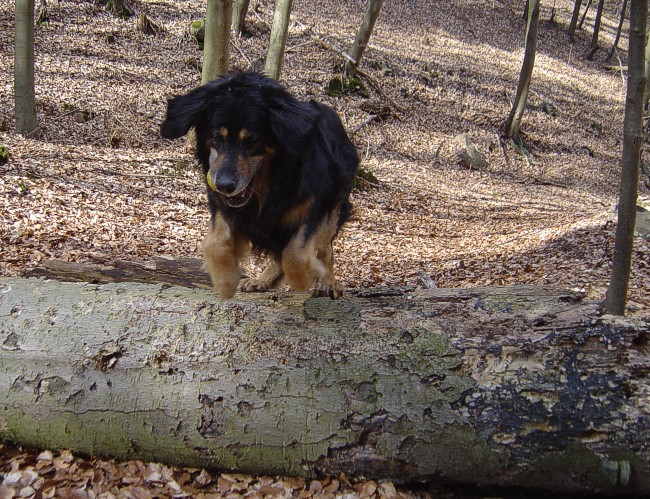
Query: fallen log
[
  {"x": 186, "y": 272},
  {"x": 517, "y": 386}
]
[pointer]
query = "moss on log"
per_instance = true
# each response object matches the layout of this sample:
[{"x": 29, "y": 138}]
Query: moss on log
[{"x": 522, "y": 386}]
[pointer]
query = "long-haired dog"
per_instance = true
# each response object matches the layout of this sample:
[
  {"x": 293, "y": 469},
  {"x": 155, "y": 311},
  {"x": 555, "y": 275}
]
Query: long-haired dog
[{"x": 279, "y": 173}]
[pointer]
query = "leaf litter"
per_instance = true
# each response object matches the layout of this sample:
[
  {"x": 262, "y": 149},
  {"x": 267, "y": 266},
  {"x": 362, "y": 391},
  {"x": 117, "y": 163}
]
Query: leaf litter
[{"x": 98, "y": 184}]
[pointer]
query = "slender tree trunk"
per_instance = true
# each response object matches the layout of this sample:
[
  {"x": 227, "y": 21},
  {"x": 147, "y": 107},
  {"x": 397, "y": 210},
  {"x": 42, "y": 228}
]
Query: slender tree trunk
[
  {"x": 551, "y": 18},
  {"x": 646, "y": 94},
  {"x": 216, "y": 52},
  {"x": 574, "y": 20},
  {"x": 618, "y": 31},
  {"x": 596, "y": 34},
  {"x": 513, "y": 122},
  {"x": 365, "y": 31},
  {"x": 584, "y": 14},
  {"x": 278, "y": 41},
  {"x": 523, "y": 385},
  {"x": 239, "y": 15},
  {"x": 616, "y": 297},
  {"x": 25, "y": 99},
  {"x": 526, "y": 11}
]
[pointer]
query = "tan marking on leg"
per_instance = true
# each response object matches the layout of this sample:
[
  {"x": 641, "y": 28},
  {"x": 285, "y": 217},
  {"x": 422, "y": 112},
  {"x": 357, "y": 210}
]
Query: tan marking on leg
[
  {"x": 268, "y": 279},
  {"x": 299, "y": 262},
  {"x": 298, "y": 214},
  {"x": 222, "y": 251},
  {"x": 309, "y": 263},
  {"x": 323, "y": 237}
]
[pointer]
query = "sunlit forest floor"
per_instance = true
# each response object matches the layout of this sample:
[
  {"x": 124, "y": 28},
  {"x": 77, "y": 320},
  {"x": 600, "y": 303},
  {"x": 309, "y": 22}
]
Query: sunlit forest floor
[{"x": 99, "y": 184}]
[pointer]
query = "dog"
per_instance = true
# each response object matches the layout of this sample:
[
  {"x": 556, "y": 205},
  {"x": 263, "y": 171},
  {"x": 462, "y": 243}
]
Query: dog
[{"x": 279, "y": 173}]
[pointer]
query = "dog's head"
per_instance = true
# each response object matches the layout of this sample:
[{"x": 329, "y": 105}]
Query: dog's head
[{"x": 242, "y": 121}]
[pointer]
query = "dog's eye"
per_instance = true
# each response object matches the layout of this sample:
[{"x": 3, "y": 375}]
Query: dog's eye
[
  {"x": 218, "y": 141},
  {"x": 247, "y": 138}
]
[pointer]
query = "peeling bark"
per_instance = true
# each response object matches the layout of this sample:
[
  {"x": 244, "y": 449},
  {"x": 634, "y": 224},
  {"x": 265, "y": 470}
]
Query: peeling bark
[{"x": 522, "y": 386}]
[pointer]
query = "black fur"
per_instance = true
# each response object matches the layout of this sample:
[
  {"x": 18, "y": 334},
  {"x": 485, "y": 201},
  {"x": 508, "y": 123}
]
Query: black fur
[{"x": 313, "y": 156}]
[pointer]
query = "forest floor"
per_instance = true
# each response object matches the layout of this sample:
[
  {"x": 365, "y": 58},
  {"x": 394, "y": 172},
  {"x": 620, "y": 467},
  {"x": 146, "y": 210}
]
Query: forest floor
[{"x": 97, "y": 183}]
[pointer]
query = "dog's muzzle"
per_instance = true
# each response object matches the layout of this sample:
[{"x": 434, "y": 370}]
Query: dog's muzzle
[{"x": 237, "y": 199}]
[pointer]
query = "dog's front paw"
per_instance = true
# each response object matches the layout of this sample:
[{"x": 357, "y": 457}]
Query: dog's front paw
[
  {"x": 332, "y": 289},
  {"x": 226, "y": 289},
  {"x": 254, "y": 285}
]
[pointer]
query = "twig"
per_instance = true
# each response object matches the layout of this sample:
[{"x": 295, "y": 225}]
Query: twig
[
  {"x": 620, "y": 63},
  {"x": 250, "y": 63},
  {"x": 369, "y": 120},
  {"x": 378, "y": 89},
  {"x": 308, "y": 42},
  {"x": 503, "y": 151}
]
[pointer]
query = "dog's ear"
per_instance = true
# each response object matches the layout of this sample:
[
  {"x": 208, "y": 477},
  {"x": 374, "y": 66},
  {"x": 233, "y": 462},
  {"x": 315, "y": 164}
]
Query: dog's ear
[
  {"x": 292, "y": 121},
  {"x": 185, "y": 111}
]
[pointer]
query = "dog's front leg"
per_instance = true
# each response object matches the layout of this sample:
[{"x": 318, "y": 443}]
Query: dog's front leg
[{"x": 222, "y": 251}]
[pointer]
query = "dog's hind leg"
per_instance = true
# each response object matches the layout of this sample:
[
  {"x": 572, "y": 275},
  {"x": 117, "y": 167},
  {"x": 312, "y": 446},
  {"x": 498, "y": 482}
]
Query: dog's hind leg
[
  {"x": 327, "y": 285},
  {"x": 310, "y": 262},
  {"x": 222, "y": 251},
  {"x": 268, "y": 279}
]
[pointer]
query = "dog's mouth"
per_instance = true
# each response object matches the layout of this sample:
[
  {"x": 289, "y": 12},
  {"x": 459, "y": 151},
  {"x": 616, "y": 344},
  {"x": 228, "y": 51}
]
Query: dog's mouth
[{"x": 239, "y": 199}]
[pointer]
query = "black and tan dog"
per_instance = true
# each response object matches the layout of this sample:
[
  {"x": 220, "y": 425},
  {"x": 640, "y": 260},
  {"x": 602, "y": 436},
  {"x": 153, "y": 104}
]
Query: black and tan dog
[{"x": 279, "y": 173}]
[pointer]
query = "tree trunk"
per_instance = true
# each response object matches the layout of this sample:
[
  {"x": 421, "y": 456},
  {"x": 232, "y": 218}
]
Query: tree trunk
[
  {"x": 584, "y": 14},
  {"x": 646, "y": 93},
  {"x": 630, "y": 160},
  {"x": 618, "y": 31},
  {"x": 239, "y": 15},
  {"x": 278, "y": 41},
  {"x": 361, "y": 41},
  {"x": 216, "y": 52},
  {"x": 513, "y": 123},
  {"x": 24, "y": 68},
  {"x": 523, "y": 386},
  {"x": 596, "y": 34},
  {"x": 574, "y": 20}
]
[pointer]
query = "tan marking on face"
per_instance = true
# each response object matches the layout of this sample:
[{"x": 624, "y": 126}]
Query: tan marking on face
[
  {"x": 298, "y": 214},
  {"x": 223, "y": 132},
  {"x": 243, "y": 135},
  {"x": 262, "y": 180}
]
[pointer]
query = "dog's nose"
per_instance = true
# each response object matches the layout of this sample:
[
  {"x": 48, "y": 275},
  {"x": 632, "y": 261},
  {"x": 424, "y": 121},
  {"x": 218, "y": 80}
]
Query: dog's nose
[{"x": 226, "y": 184}]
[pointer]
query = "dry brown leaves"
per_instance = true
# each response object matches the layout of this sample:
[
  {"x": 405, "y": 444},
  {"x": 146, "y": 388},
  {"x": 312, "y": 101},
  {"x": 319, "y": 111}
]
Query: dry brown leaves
[
  {"x": 47, "y": 475},
  {"x": 99, "y": 184}
]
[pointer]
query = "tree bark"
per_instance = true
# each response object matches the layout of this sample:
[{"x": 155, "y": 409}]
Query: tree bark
[
  {"x": 186, "y": 272},
  {"x": 574, "y": 20},
  {"x": 618, "y": 31},
  {"x": 279, "y": 31},
  {"x": 513, "y": 122},
  {"x": 522, "y": 386},
  {"x": 584, "y": 14},
  {"x": 239, "y": 15},
  {"x": 596, "y": 34},
  {"x": 25, "y": 100},
  {"x": 363, "y": 36},
  {"x": 216, "y": 52},
  {"x": 630, "y": 161}
]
